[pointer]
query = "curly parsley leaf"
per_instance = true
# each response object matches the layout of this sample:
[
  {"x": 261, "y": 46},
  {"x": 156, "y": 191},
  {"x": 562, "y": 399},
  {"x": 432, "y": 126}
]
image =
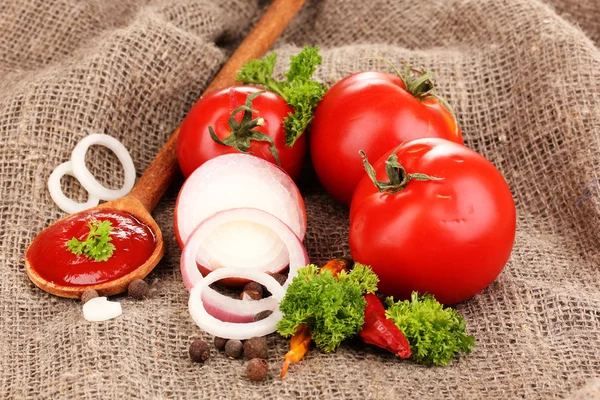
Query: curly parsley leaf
[
  {"x": 436, "y": 334},
  {"x": 96, "y": 245},
  {"x": 260, "y": 72},
  {"x": 299, "y": 90},
  {"x": 332, "y": 308},
  {"x": 363, "y": 276}
]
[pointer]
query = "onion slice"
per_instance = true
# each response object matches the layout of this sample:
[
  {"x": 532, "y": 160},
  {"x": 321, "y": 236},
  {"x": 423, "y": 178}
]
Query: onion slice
[
  {"x": 234, "y": 181},
  {"x": 293, "y": 245},
  {"x": 63, "y": 202},
  {"x": 199, "y": 304},
  {"x": 225, "y": 316},
  {"x": 86, "y": 178}
]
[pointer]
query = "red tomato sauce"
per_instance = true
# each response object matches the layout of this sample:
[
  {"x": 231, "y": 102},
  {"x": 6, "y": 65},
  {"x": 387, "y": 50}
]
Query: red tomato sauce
[{"x": 48, "y": 254}]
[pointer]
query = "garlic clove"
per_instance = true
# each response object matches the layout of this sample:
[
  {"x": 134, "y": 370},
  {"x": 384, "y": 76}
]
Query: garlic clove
[{"x": 100, "y": 309}]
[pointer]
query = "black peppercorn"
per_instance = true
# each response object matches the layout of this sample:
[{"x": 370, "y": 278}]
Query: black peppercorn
[
  {"x": 256, "y": 347},
  {"x": 138, "y": 289},
  {"x": 257, "y": 369},
  {"x": 199, "y": 350},
  {"x": 234, "y": 348},
  {"x": 88, "y": 295}
]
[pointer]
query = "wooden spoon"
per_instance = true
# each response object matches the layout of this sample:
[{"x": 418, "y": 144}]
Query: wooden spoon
[{"x": 159, "y": 174}]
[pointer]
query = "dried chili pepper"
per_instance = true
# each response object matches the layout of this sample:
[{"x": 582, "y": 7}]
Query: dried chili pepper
[
  {"x": 299, "y": 345},
  {"x": 377, "y": 329},
  {"x": 381, "y": 331},
  {"x": 300, "y": 341},
  {"x": 336, "y": 266}
]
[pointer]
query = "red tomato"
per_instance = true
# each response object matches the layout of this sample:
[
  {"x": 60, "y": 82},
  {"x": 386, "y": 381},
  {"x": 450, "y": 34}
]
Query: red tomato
[
  {"x": 195, "y": 145},
  {"x": 370, "y": 111},
  {"x": 450, "y": 237}
]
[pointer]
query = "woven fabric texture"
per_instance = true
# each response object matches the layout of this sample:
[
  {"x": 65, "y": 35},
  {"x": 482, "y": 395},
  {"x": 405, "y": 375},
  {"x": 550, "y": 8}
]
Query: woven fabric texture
[{"x": 524, "y": 79}]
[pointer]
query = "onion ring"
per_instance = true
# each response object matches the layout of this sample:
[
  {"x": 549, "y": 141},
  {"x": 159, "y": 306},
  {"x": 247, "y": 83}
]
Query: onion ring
[
  {"x": 296, "y": 251},
  {"x": 63, "y": 202},
  {"x": 234, "y": 330},
  {"x": 86, "y": 178}
]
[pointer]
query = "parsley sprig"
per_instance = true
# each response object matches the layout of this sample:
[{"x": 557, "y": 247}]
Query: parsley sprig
[
  {"x": 333, "y": 308},
  {"x": 301, "y": 92},
  {"x": 436, "y": 334},
  {"x": 96, "y": 245}
]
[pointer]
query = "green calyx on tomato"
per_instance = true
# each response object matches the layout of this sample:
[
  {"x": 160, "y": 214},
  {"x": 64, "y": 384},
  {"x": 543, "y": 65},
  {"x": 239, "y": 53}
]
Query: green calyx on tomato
[
  {"x": 397, "y": 175},
  {"x": 243, "y": 132},
  {"x": 299, "y": 90},
  {"x": 422, "y": 88}
]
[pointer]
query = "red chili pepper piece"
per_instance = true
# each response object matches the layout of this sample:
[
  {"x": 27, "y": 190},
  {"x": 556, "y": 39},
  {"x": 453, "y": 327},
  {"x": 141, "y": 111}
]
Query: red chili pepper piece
[
  {"x": 336, "y": 266},
  {"x": 299, "y": 346},
  {"x": 381, "y": 331}
]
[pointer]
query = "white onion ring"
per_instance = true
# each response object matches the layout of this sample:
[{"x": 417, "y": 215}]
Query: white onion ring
[
  {"x": 225, "y": 316},
  {"x": 296, "y": 251},
  {"x": 62, "y": 201},
  {"x": 234, "y": 330},
  {"x": 86, "y": 178}
]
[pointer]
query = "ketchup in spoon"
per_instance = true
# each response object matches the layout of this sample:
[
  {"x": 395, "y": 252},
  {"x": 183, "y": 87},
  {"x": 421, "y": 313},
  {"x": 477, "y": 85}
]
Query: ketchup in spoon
[{"x": 134, "y": 243}]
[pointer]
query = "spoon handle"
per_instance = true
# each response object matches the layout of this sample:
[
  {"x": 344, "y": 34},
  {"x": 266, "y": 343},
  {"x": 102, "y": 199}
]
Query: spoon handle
[{"x": 159, "y": 174}]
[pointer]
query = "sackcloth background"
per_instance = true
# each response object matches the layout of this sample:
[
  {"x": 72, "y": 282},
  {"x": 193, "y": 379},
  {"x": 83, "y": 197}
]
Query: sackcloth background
[{"x": 524, "y": 78}]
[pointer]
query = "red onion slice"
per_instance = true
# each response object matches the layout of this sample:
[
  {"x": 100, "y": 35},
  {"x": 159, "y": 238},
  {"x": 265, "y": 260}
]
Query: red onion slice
[
  {"x": 211, "y": 309},
  {"x": 209, "y": 322},
  {"x": 234, "y": 181},
  {"x": 293, "y": 245}
]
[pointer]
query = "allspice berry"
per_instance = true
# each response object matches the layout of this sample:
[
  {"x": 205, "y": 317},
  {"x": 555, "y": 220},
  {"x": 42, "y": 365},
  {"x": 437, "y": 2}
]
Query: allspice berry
[
  {"x": 255, "y": 286},
  {"x": 138, "y": 289},
  {"x": 262, "y": 315},
  {"x": 250, "y": 295},
  {"x": 220, "y": 343},
  {"x": 257, "y": 369},
  {"x": 199, "y": 350},
  {"x": 88, "y": 295},
  {"x": 234, "y": 348},
  {"x": 280, "y": 278},
  {"x": 256, "y": 347}
]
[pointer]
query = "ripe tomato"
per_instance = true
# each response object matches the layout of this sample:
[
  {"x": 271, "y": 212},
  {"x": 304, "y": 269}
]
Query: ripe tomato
[
  {"x": 371, "y": 111},
  {"x": 195, "y": 145},
  {"x": 450, "y": 237}
]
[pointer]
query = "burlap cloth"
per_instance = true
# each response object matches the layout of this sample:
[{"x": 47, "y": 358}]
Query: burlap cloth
[{"x": 524, "y": 78}]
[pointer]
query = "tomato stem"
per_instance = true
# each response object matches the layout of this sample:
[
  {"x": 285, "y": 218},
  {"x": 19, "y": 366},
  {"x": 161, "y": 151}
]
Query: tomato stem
[
  {"x": 422, "y": 87},
  {"x": 244, "y": 131},
  {"x": 397, "y": 175}
]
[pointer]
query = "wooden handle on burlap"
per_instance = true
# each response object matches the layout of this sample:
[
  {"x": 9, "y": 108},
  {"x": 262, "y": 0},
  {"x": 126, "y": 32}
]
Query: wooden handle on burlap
[{"x": 159, "y": 174}]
